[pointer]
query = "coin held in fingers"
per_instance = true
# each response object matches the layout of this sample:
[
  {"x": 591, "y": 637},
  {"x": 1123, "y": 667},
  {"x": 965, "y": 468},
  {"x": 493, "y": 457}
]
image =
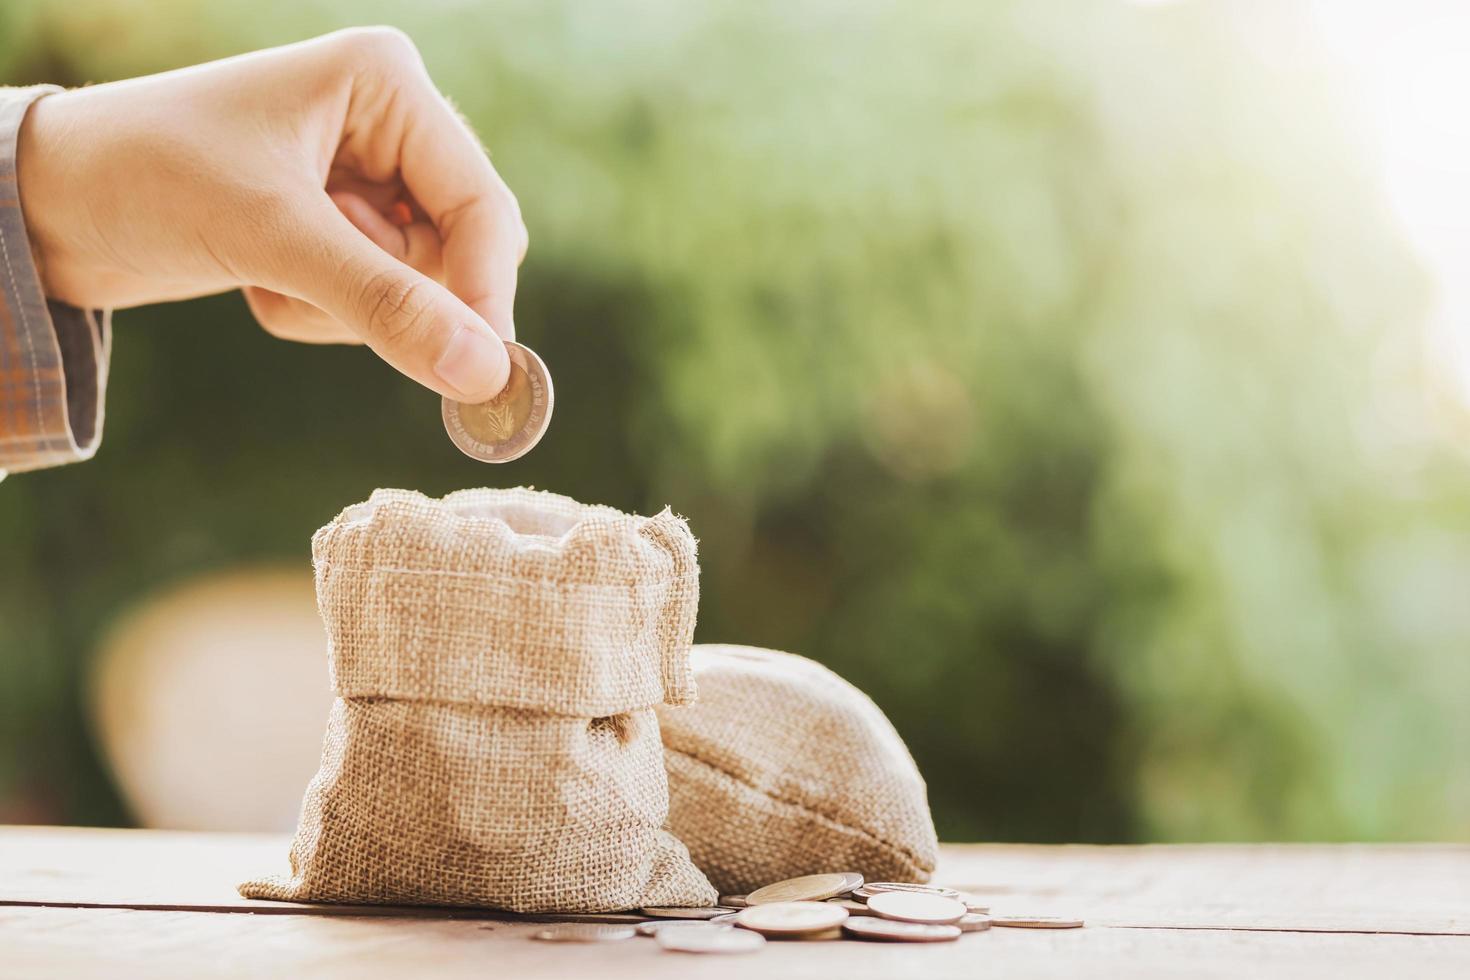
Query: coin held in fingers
[{"x": 510, "y": 424}]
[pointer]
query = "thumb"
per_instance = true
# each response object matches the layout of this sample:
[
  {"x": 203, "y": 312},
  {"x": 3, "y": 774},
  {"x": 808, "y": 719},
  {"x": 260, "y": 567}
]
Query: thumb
[{"x": 408, "y": 319}]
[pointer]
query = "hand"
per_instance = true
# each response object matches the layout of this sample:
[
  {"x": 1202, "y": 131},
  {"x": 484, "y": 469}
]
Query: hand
[{"x": 329, "y": 179}]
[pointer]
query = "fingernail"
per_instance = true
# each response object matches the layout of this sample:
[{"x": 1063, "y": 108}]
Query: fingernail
[{"x": 474, "y": 364}]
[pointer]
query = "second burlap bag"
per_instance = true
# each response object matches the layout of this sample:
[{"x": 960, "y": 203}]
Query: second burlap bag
[
  {"x": 783, "y": 768},
  {"x": 496, "y": 657}
]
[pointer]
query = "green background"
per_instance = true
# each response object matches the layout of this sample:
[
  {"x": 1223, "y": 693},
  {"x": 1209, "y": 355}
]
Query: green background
[{"x": 1052, "y": 370}]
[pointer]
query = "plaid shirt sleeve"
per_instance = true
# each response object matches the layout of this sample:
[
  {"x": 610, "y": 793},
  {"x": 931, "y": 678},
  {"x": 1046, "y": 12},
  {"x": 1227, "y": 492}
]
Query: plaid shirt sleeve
[{"x": 53, "y": 357}]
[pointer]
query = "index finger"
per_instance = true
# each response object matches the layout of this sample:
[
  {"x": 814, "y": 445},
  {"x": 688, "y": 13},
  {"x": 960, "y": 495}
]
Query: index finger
[{"x": 478, "y": 218}]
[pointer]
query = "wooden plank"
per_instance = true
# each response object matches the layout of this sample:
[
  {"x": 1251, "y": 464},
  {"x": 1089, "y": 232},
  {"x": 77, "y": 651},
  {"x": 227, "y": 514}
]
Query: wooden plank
[
  {"x": 1406, "y": 888},
  {"x": 135, "y": 868},
  {"x": 87, "y": 867},
  {"x": 1346, "y": 888},
  {"x": 120, "y": 943}
]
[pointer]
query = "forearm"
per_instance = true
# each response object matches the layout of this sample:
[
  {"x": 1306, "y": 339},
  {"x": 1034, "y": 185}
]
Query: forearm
[{"x": 53, "y": 357}]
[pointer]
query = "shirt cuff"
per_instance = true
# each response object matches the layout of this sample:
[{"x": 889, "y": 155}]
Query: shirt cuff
[{"x": 53, "y": 357}]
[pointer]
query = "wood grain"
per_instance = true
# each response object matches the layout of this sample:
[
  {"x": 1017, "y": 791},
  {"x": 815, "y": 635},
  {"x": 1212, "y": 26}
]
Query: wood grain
[
  {"x": 122, "y": 943},
  {"x": 119, "y": 903},
  {"x": 1317, "y": 887},
  {"x": 1407, "y": 888}
]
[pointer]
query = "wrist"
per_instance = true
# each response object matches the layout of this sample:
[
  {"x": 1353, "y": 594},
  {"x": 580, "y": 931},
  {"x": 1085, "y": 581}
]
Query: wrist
[{"x": 38, "y": 173}]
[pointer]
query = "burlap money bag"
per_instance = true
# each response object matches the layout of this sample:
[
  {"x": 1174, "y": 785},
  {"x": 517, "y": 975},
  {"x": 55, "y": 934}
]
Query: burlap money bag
[
  {"x": 496, "y": 656},
  {"x": 783, "y": 768}
]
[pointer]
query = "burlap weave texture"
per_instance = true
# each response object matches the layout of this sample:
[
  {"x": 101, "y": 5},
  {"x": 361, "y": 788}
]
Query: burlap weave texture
[
  {"x": 496, "y": 656},
  {"x": 782, "y": 768}
]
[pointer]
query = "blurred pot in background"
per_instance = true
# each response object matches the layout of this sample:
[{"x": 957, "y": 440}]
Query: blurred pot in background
[{"x": 208, "y": 701}]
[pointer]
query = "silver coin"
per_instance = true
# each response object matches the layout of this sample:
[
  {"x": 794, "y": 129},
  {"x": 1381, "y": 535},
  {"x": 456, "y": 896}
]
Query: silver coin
[
  {"x": 875, "y": 887},
  {"x": 916, "y": 907},
  {"x": 973, "y": 903},
  {"x": 508, "y": 425},
  {"x": 706, "y": 938},
  {"x": 791, "y": 918},
  {"x": 974, "y": 922},
  {"x": 889, "y": 930},
  {"x": 656, "y": 926},
  {"x": 583, "y": 932},
  {"x": 727, "y": 917},
  {"x": 706, "y": 912}
]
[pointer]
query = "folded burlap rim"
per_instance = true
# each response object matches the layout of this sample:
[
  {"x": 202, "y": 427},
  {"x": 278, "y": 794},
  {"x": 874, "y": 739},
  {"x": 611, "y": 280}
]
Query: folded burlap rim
[{"x": 597, "y": 601}]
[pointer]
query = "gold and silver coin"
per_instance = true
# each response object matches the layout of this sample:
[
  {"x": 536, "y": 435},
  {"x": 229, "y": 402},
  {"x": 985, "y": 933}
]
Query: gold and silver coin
[
  {"x": 893, "y": 931},
  {"x": 915, "y": 907},
  {"x": 1035, "y": 921},
  {"x": 705, "y": 938},
  {"x": 791, "y": 918},
  {"x": 508, "y": 425},
  {"x": 807, "y": 888},
  {"x": 583, "y": 932}
]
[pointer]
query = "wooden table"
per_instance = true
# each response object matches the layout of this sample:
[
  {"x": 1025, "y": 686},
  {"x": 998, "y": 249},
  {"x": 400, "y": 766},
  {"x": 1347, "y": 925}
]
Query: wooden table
[{"x": 122, "y": 903}]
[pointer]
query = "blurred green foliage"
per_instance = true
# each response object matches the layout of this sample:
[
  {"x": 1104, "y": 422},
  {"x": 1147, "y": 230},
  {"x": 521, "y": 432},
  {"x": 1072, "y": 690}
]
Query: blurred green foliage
[{"x": 1052, "y": 370}]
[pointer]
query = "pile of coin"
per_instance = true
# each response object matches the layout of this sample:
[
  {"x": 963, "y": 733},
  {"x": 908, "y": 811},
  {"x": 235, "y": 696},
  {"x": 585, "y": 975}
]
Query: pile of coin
[{"x": 811, "y": 908}]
